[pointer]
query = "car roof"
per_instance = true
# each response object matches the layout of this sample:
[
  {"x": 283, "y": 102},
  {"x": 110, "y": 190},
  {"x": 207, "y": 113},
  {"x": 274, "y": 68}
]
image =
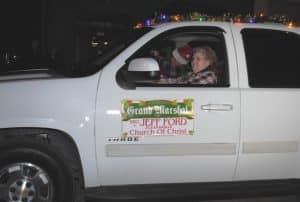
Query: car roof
[
  {"x": 266, "y": 25},
  {"x": 189, "y": 23}
]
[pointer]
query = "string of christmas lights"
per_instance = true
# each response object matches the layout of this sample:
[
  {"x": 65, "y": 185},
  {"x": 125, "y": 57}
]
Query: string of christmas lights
[{"x": 227, "y": 17}]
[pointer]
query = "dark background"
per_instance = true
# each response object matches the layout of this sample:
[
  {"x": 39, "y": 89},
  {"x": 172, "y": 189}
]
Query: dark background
[{"x": 32, "y": 31}]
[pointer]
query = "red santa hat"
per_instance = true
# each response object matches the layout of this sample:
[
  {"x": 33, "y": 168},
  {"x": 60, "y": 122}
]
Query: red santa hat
[{"x": 183, "y": 54}]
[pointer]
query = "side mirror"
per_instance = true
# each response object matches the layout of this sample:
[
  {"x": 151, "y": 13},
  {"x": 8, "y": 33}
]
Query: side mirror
[
  {"x": 143, "y": 65},
  {"x": 142, "y": 71}
]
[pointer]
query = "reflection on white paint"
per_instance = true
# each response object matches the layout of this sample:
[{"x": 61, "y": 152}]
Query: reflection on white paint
[
  {"x": 87, "y": 119},
  {"x": 113, "y": 112}
]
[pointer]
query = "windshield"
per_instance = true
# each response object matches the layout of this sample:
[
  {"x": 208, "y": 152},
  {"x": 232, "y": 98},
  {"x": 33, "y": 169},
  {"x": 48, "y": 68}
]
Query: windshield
[
  {"x": 111, "y": 50},
  {"x": 91, "y": 51}
]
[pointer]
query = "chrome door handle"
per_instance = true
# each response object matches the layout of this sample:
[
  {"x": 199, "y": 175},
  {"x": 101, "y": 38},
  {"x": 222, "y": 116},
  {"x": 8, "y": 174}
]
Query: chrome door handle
[{"x": 217, "y": 107}]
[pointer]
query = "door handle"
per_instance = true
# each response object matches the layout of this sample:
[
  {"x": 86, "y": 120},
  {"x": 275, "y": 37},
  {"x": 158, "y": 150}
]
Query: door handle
[{"x": 217, "y": 107}]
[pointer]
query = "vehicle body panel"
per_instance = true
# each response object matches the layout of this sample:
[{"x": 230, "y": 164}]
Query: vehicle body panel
[{"x": 65, "y": 104}]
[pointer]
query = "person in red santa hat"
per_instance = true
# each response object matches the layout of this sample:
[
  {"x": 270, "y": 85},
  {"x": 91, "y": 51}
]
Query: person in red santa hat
[
  {"x": 182, "y": 55},
  {"x": 178, "y": 63}
]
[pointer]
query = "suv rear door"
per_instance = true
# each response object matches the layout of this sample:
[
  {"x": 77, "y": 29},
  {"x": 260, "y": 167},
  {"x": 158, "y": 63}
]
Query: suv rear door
[{"x": 269, "y": 72}]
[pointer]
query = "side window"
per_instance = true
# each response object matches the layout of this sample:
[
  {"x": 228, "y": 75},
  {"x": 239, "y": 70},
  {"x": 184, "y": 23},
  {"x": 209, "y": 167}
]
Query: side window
[
  {"x": 272, "y": 58},
  {"x": 179, "y": 57}
]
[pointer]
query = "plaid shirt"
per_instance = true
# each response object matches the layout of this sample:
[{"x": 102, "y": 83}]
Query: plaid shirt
[{"x": 203, "y": 78}]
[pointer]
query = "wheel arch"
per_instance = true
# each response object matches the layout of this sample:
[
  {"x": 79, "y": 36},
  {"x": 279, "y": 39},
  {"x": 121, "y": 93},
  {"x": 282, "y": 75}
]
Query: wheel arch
[{"x": 53, "y": 137}]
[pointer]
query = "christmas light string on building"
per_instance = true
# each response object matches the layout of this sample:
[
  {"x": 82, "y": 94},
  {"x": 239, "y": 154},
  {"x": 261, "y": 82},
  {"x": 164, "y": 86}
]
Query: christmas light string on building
[{"x": 227, "y": 17}]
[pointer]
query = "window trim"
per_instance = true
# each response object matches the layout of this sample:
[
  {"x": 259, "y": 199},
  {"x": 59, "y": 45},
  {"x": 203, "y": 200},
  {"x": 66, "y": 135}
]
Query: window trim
[
  {"x": 212, "y": 30},
  {"x": 251, "y": 85}
]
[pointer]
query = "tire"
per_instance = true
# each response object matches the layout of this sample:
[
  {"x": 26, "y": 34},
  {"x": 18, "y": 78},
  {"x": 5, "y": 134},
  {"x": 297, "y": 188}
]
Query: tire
[{"x": 30, "y": 170}]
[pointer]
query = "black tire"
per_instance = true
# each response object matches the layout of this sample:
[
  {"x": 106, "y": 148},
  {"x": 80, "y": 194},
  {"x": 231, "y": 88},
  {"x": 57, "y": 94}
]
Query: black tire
[{"x": 26, "y": 156}]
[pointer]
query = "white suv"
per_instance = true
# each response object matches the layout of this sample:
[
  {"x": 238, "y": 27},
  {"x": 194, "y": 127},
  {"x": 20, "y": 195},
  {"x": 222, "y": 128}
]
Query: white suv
[{"x": 114, "y": 130}]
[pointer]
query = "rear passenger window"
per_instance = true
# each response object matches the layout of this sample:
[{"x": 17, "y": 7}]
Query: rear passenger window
[{"x": 273, "y": 58}]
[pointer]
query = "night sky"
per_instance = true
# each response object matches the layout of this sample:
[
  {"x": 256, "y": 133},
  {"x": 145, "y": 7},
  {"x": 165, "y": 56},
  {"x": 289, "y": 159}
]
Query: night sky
[
  {"x": 55, "y": 22},
  {"x": 21, "y": 21}
]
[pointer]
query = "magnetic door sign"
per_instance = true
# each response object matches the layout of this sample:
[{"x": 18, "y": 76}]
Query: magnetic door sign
[{"x": 157, "y": 117}]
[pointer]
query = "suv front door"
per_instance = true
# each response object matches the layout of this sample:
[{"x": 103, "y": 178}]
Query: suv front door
[{"x": 134, "y": 147}]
